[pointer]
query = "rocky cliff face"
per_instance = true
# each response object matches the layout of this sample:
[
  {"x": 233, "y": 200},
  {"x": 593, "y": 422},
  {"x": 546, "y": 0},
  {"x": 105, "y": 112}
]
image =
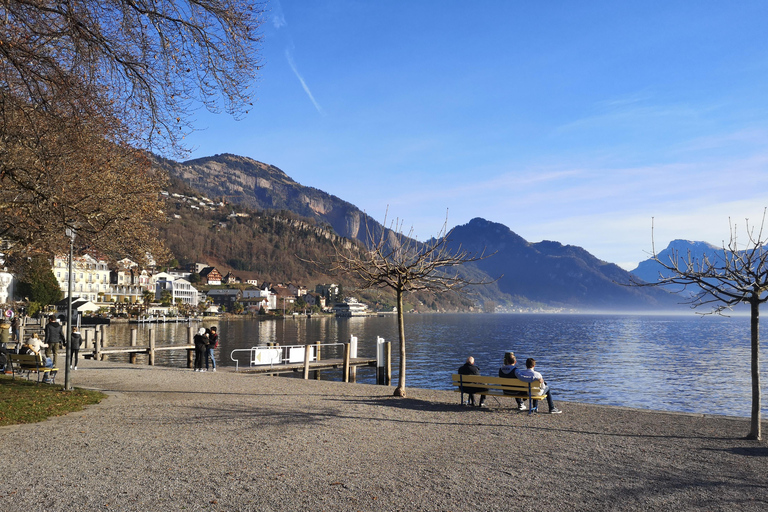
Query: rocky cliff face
[{"x": 255, "y": 184}]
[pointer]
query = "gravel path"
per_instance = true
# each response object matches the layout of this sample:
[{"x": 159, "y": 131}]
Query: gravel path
[{"x": 174, "y": 439}]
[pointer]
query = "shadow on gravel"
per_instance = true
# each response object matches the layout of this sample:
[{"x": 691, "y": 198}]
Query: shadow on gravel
[{"x": 749, "y": 451}]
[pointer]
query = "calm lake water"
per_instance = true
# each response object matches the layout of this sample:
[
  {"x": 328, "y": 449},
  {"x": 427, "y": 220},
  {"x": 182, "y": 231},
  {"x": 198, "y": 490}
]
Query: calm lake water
[{"x": 675, "y": 363}]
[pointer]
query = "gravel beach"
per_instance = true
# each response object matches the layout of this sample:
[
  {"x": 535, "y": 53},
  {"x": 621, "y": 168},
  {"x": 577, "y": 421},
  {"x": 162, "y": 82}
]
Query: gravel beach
[{"x": 174, "y": 439}]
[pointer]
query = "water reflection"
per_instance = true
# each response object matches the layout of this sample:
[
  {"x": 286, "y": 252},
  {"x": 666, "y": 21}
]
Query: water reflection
[{"x": 655, "y": 362}]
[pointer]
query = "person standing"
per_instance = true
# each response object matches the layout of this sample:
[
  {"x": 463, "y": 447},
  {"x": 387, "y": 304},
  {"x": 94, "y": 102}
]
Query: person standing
[
  {"x": 201, "y": 341},
  {"x": 76, "y": 340},
  {"x": 509, "y": 371},
  {"x": 54, "y": 336},
  {"x": 530, "y": 375},
  {"x": 15, "y": 328},
  {"x": 213, "y": 343},
  {"x": 469, "y": 368}
]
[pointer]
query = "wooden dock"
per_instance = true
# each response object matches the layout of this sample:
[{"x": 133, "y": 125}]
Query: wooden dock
[{"x": 326, "y": 364}]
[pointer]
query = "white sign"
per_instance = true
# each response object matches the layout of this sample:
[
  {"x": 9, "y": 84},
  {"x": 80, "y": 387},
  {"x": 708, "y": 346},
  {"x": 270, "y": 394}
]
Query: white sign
[
  {"x": 296, "y": 354},
  {"x": 265, "y": 356}
]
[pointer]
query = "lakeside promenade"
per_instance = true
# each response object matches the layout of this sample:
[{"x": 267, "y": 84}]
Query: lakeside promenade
[{"x": 174, "y": 439}]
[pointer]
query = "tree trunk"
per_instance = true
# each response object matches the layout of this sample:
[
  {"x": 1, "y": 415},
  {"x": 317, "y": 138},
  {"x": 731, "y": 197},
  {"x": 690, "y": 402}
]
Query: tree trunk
[
  {"x": 400, "y": 389},
  {"x": 755, "y": 427}
]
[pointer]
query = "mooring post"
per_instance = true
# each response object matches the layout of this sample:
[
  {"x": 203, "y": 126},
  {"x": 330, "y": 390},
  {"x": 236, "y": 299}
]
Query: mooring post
[
  {"x": 307, "y": 352},
  {"x": 190, "y": 341},
  {"x": 97, "y": 346},
  {"x": 134, "y": 337},
  {"x": 151, "y": 356},
  {"x": 383, "y": 361},
  {"x": 353, "y": 355},
  {"x": 88, "y": 338},
  {"x": 346, "y": 362}
]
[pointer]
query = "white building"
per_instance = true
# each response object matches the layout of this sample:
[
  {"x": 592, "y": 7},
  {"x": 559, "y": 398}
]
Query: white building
[
  {"x": 271, "y": 298},
  {"x": 179, "y": 288},
  {"x": 90, "y": 277}
]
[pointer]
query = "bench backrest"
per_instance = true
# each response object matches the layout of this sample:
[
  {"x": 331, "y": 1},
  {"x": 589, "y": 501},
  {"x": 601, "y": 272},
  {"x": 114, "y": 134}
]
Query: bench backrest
[
  {"x": 32, "y": 360},
  {"x": 500, "y": 383}
]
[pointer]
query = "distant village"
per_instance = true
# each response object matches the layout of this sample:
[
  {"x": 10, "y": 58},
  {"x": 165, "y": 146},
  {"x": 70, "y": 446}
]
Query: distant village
[{"x": 96, "y": 287}]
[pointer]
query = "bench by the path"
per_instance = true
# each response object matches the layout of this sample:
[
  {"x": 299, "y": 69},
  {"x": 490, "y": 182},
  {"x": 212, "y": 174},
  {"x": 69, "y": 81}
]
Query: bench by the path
[{"x": 501, "y": 386}]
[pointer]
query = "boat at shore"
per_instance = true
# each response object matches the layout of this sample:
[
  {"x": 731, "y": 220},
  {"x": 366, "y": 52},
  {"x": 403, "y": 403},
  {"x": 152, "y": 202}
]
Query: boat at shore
[
  {"x": 350, "y": 307},
  {"x": 162, "y": 319}
]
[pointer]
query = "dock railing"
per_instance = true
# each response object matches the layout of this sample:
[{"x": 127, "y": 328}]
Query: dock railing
[{"x": 277, "y": 355}]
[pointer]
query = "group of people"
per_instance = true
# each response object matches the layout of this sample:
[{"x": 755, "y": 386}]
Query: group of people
[
  {"x": 509, "y": 370},
  {"x": 206, "y": 340},
  {"x": 53, "y": 339}
]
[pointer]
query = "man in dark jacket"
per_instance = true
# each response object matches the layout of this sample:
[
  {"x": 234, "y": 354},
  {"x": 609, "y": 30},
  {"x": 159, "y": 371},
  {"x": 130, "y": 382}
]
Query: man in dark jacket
[
  {"x": 469, "y": 368},
  {"x": 508, "y": 371},
  {"x": 54, "y": 335}
]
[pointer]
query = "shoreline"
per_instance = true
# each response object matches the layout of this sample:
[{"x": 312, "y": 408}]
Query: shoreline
[{"x": 173, "y": 439}]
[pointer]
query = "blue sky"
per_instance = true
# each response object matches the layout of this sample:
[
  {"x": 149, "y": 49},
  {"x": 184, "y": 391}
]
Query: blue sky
[{"x": 578, "y": 122}]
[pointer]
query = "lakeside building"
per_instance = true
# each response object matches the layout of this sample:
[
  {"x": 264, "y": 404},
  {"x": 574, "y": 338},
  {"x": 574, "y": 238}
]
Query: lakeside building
[
  {"x": 181, "y": 290},
  {"x": 90, "y": 277}
]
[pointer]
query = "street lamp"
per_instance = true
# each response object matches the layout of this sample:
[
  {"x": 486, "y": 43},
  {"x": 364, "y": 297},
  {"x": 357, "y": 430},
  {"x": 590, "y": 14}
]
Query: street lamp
[{"x": 68, "y": 357}]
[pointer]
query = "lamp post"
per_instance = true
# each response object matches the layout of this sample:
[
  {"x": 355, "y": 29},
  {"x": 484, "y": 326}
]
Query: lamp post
[{"x": 68, "y": 358}]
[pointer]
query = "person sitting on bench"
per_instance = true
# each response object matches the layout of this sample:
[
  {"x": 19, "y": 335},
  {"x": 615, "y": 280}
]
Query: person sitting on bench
[
  {"x": 509, "y": 371},
  {"x": 33, "y": 348},
  {"x": 469, "y": 368},
  {"x": 530, "y": 375}
]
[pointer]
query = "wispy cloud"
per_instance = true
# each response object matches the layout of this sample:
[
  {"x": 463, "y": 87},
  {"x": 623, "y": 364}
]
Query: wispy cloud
[
  {"x": 278, "y": 18},
  {"x": 303, "y": 83}
]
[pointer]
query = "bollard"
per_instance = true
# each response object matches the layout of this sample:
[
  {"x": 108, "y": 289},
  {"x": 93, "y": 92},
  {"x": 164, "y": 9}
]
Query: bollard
[
  {"x": 383, "y": 361},
  {"x": 353, "y": 355}
]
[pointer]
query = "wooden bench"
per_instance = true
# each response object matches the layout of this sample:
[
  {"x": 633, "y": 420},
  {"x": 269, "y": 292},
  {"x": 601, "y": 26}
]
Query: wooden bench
[
  {"x": 502, "y": 386},
  {"x": 29, "y": 363}
]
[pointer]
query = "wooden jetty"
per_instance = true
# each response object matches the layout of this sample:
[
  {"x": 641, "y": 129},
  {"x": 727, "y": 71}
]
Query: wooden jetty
[{"x": 313, "y": 362}]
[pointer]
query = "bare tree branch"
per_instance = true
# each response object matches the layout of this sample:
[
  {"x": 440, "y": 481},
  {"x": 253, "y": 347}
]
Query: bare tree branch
[
  {"x": 734, "y": 276},
  {"x": 393, "y": 259}
]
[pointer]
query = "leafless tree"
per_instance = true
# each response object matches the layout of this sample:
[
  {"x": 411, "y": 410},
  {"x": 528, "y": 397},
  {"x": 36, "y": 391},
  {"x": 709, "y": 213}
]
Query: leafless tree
[
  {"x": 148, "y": 62},
  {"x": 393, "y": 259},
  {"x": 737, "y": 274},
  {"x": 86, "y": 86}
]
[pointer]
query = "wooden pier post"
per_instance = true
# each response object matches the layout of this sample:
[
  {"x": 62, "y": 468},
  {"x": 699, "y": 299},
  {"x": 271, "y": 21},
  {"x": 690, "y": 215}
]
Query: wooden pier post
[
  {"x": 97, "y": 346},
  {"x": 346, "y": 362},
  {"x": 134, "y": 337},
  {"x": 307, "y": 353},
  {"x": 151, "y": 356},
  {"x": 190, "y": 341}
]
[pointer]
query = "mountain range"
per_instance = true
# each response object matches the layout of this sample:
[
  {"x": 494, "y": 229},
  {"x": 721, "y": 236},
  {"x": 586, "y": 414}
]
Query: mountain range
[{"x": 545, "y": 275}]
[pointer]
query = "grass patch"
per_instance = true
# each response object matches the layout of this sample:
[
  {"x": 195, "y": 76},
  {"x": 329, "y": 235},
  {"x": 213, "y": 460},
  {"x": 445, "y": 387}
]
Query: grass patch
[{"x": 23, "y": 401}]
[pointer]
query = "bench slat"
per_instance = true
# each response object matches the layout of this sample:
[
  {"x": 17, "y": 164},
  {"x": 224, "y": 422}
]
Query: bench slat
[{"x": 496, "y": 383}]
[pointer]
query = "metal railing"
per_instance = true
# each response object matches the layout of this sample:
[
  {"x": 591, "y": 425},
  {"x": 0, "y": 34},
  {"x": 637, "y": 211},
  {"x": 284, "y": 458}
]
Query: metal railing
[{"x": 273, "y": 355}]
